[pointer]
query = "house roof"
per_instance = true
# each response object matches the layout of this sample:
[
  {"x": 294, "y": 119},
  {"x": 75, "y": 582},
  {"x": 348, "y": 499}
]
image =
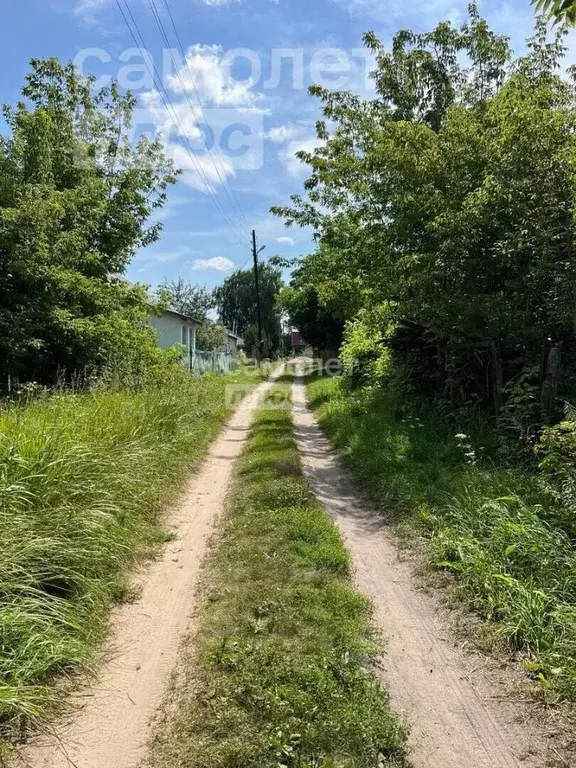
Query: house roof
[
  {"x": 190, "y": 319},
  {"x": 181, "y": 315}
]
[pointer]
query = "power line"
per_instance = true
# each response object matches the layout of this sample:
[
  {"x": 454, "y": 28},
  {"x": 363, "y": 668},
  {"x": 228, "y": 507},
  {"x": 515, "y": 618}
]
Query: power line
[
  {"x": 171, "y": 111},
  {"x": 227, "y": 186},
  {"x": 185, "y": 59}
]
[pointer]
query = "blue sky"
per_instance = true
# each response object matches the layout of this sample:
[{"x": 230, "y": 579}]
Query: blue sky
[{"x": 258, "y": 120}]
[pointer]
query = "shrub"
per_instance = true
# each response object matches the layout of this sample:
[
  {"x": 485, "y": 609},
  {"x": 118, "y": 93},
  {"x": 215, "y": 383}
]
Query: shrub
[
  {"x": 364, "y": 354},
  {"x": 558, "y": 464}
]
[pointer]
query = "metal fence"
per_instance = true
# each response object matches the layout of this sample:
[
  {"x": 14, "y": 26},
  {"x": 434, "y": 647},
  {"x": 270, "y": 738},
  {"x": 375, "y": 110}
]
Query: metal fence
[{"x": 213, "y": 362}]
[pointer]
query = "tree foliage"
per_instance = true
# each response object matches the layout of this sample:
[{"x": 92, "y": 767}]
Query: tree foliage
[
  {"x": 319, "y": 326},
  {"x": 558, "y": 10},
  {"x": 448, "y": 199},
  {"x": 75, "y": 196},
  {"x": 211, "y": 336},
  {"x": 236, "y": 303},
  {"x": 196, "y": 301}
]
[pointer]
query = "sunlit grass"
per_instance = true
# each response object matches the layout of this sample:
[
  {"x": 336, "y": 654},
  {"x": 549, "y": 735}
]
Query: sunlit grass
[{"x": 83, "y": 482}]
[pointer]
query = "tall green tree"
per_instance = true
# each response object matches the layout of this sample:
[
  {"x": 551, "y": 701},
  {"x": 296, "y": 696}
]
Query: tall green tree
[
  {"x": 319, "y": 326},
  {"x": 449, "y": 198},
  {"x": 76, "y": 193},
  {"x": 236, "y": 303}
]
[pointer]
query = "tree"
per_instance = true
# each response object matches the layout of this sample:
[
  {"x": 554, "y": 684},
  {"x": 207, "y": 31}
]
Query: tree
[
  {"x": 196, "y": 301},
  {"x": 319, "y": 327},
  {"x": 563, "y": 11},
  {"x": 448, "y": 200},
  {"x": 211, "y": 336},
  {"x": 236, "y": 303},
  {"x": 75, "y": 196}
]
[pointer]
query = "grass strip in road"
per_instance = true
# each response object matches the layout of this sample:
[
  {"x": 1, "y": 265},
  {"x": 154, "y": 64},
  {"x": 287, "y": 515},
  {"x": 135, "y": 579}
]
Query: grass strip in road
[
  {"x": 280, "y": 672},
  {"x": 486, "y": 523},
  {"x": 84, "y": 479}
]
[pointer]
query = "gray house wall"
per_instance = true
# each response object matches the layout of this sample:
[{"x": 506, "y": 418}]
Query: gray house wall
[
  {"x": 232, "y": 345},
  {"x": 169, "y": 332}
]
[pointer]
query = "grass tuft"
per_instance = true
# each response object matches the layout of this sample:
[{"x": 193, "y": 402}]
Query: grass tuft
[
  {"x": 282, "y": 676},
  {"x": 83, "y": 480}
]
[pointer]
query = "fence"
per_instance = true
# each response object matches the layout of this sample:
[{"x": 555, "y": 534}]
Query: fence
[{"x": 213, "y": 362}]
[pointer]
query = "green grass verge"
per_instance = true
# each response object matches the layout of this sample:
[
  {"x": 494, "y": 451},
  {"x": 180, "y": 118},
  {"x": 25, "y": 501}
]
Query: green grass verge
[
  {"x": 281, "y": 676},
  {"x": 492, "y": 527},
  {"x": 83, "y": 480}
]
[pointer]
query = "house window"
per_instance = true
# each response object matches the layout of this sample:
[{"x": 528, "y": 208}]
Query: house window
[{"x": 185, "y": 336}]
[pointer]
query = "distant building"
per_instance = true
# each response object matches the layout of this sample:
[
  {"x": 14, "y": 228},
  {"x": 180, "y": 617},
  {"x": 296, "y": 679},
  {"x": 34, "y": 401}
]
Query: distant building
[
  {"x": 173, "y": 328},
  {"x": 299, "y": 345},
  {"x": 234, "y": 343}
]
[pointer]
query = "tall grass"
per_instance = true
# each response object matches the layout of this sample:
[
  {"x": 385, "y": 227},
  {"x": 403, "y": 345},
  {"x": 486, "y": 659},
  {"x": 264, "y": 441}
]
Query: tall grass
[
  {"x": 83, "y": 481},
  {"x": 485, "y": 520},
  {"x": 281, "y": 677}
]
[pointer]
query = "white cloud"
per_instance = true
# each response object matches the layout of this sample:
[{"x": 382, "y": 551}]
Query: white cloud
[
  {"x": 87, "y": 11},
  {"x": 283, "y": 133},
  {"x": 285, "y": 240},
  {"x": 189, "y": 128},
  {"x": 201, "y": 172},
  {"x": 206, "y": 146},
  {"x": 287, "y": 154},
  {"x": 219, "y": 263},
  {"x": 181, "y": 119},
  {"x": 209, "y": 73},
  {"x": 218, "y": 2}
]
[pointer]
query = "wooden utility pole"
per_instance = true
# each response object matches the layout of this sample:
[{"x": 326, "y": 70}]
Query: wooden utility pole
[{"x": 255, "y": 253}]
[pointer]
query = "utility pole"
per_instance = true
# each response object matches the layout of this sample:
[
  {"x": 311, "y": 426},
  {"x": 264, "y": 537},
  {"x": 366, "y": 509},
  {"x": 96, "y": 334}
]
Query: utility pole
[{"x": 255, "y": 253}]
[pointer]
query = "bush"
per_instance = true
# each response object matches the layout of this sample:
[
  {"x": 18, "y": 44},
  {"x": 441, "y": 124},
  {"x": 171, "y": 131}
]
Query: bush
[
  {"x": 210, "y": 336},
  {"x": 558, "y": 464},
  {"x": 364, "y": 354}
]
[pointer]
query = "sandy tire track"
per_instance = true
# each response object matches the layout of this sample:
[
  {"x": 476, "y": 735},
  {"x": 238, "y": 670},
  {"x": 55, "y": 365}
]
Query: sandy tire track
[
  {"x": 457, "y": 717},
  {"x": 108, "y": 722}
]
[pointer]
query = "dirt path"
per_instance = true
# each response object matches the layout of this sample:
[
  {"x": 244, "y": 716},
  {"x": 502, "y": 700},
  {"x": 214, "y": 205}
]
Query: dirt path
[
  {"x": 110, "y": 721},
  {"x": 457, "y": 715}
]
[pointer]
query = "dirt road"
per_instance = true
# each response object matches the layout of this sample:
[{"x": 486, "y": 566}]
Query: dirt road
[
  {"x": 108, "y": 723},
  {"x": 457, "y": 715}
]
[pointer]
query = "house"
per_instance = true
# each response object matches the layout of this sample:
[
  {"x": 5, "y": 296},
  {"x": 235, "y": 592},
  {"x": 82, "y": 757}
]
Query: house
[
  {"x": 233, "y": 344},
  {"x": 173, "y": 328},
  {"x": 299, "y": 345}
]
